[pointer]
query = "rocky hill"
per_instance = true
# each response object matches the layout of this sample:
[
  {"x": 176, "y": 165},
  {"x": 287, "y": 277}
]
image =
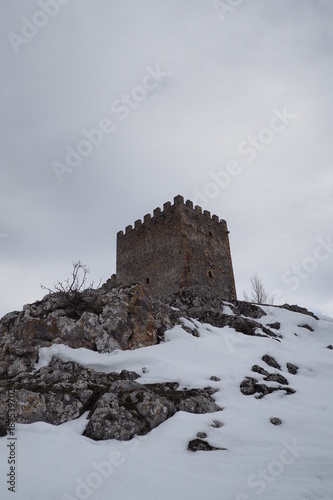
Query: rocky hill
[
  {"x": 105, "y": 320},
  {"x": 45, "y": 360}
]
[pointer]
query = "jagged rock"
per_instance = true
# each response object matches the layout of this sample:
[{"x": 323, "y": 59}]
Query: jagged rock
[
  {"x": 119, "y": 407},
  {"x": 57, "y": 393},
  {"x": 201, "y": 445},
  {"x": 276, "y": 377},
  {"x": 270, "y": 377},
  {"x": 292, "y": 368},
  {"x": 258, "y": 369},
  {"x": 270, "y": 361},
  {"x": 276, "y": 421},
  {"x": 206, "y": 305},
  {"x": 104, "y": 320},
  {"x": 130, "y": 408},
  {"x": 201, "y": 435},
  {"x": 51, "y": 408},
  {"x": 111, "y": 318},
  {"x": 101, "y": 320},
  {"x": 165, "y": 318},
  {"x": 308, "y": 327},
  {"x": 247, "y": 309},
  {"x": 250, "y": 386},
  {"x": 330, "y": 347},
  {"x": 196, "y": 402},
  {"x": 298, "y": 309},
  {"x": 243, "y": 325},
  {"x": 275, "y": 326}
]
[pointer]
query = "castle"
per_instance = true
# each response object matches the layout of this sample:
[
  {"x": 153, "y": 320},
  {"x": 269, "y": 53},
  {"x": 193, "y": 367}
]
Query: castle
[{"x": 176, "y": 248}]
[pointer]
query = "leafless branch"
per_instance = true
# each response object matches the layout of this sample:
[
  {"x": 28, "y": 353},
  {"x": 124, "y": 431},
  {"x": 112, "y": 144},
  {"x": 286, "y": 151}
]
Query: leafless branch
[
  {"x": 74, "y": 285},
  {"x": 258, "y": 292}
]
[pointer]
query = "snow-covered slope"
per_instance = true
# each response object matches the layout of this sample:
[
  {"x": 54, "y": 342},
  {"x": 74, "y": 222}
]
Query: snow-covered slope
[{"x": 291, "y": 461}]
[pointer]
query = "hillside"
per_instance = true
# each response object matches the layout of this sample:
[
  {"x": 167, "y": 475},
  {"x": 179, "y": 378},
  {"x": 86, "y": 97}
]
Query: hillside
[{"x": 189, "y": 397}]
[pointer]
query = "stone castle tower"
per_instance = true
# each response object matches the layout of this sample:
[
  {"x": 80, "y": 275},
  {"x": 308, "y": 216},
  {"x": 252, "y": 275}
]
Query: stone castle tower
[{"x": 174, "y": 249}]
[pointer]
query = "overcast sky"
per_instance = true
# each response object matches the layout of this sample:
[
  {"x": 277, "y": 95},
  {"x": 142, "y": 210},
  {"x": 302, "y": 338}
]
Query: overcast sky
[{"x": 227, "y": 103}]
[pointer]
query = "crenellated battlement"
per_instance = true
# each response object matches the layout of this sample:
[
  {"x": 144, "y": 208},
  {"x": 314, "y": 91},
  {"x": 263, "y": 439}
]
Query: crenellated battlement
[
  {"x": 176, "y": 247},
  {"x": 169, "y": 208}
]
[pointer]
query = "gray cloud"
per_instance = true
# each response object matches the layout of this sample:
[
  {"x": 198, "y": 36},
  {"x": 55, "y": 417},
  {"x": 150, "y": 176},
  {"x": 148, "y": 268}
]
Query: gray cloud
[{"x": 225, "y": 78}]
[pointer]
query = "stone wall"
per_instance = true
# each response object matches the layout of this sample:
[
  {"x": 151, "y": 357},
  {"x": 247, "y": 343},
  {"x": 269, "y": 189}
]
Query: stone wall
[{"x": 177, "y": 247}]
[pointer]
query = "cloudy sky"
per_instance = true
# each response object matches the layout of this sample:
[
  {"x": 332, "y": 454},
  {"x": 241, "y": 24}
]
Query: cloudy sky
[{"x": 109, "y": 109}]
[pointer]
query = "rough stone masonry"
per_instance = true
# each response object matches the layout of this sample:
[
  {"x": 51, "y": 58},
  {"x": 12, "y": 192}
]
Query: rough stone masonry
[{"x": 176, "y": 248}]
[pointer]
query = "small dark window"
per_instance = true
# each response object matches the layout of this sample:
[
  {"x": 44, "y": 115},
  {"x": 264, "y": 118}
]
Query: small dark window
[
  {"x": 210, "y": 234},
  {"x": 147, "y": 281},
  {"x": 210, "y": 274}
]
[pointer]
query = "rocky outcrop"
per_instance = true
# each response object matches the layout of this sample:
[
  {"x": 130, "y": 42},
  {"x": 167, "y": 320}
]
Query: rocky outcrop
[
  {"x": 106, "y": 319},
  {"x": 295, "y": 308},
  {"x": 205, "y": 305},
  {"x": 130, "y": 408},
  {"x": 100, "y": 320},
  {"x": 251, "y": 386},
  {"x": 119, "y": 407}
]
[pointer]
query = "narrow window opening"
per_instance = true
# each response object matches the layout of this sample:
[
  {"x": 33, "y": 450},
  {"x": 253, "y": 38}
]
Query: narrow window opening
[
  {"x": 210, "y": 234},
  {"x": 147, "y": 281}
]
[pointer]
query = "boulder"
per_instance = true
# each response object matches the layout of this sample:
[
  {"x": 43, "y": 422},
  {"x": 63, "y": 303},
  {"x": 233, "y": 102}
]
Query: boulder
[
  {"x": 119, "y": 407},
  {"x": 101, "y": 320}
]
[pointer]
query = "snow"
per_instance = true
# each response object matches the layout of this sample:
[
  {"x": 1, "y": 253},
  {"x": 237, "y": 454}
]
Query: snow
[{"x": 292, "y": 461}]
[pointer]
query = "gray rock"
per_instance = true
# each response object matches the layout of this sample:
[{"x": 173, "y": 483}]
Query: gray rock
[
  {"x": 206, "y": 305},
  {"x": 118, "y": 406},
  {"x": 101, "y": 320},
  {"x": 307, "y": 327},
  {"x": 130, "y": 408},
  {"x": 275, "y": 326},
  {"x": 276, "y": 377},
  {"x": 217, "y": 424},
  {"x": 270, "y": 361},
  {"x": 292, "y": 368},
  {"x": 250, "y": 386},
  {"x": 276, "y": 421},
  {"x": 298, "y": 309},
  {"x": 259, "y": 369},
  {"x": 202, "y": 445}
]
